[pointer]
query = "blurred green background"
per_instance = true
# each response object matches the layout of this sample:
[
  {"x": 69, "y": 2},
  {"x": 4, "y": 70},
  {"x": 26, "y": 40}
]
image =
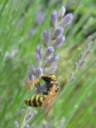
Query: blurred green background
[{"x": 20, "y": 32}]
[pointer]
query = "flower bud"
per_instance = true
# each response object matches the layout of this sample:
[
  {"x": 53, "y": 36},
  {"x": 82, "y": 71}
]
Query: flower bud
[
  {"x": 30, "y": 76},
  {"x": 39, "y": 72},
  {"x": 82, "y": 63},
  {"x": 39, "y": 18},
  {"x": 66, "y": 20},
  {"x": 53, "y": 19},
  {"x": 39, "y": 51},
  {"x": 29, "y": 110},
  {"x": 22, "y": 111},
  {"x": 88, "y": 46},
  {"x": 37, "y": 59},
  {"x": 57, "y": 43},
  {"x": 16, "y": 124},
  {"x": 49, "y": 51},
  {"x": 75, "y": 65},
  {"x": 57, "y": 33},
  {"x": 32, "y": 69},
  {"x": 46, "y": 38},
  {"x": 61, "y": 13},
  {"x": 52, "y": 60},
  {"x": 50, "y": 70},
  {"x": 80, "y": 56},
  {"x": 73, "y": 78},
  {"x": 29, "y": 116},
  {"x": 88, "y": 52},
  {"x": 70, "y": 75},
  {"x": 26, "y": 126}
]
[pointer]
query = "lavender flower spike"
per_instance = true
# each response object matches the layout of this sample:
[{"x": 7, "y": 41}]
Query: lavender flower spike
[
  {"x": 66, "y": 20},
  {"x": 53, "y": 19},
  {"x": 57, "y": 43},
  {"x": 49, "y": 51},
  {"x": 46, "y": 38},
  {"x": 39, "y": 72},
  {"x": 51, "y": 61}
]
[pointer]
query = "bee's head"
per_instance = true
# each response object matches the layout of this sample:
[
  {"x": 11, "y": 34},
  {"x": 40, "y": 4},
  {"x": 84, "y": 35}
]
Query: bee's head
[{"x": 48, "y": 78}]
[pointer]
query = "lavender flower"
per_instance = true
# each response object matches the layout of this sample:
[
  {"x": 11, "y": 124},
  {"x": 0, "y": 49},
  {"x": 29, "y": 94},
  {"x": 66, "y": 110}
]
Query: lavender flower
[
  {"x": 53, "y": 19},
  {"x": 30, "y": 76},
  {"x": 39, "y": 18},
  {"x": 50, "y": 70},
  {"x": 37, "y": 59},
  {"x": 49, "y": 51},
  {"x": 82, "y": 63},
  {"x": 19, "y": 22},
  {"x": 32, "y": 69},
  {"x": 81, "y": 59},
  {"x": 45, "y": 62},
  {"x": 61, "y": 13},
  {"x": 66, "y": 20},
  {"x": 22, "y": 111},
  {"x": 57, "y": 33},
  {"x": 16, "y": 124},
  {"x": 71, "y": 74},
  {"x": 46, "y": 38},
  {"x": 51, "y": 61},
  {"x": 39, "y": 51},
  {"x": 27, "y": 119},
  {"x": 39, "y": 72},
  {"x": 75, "y": 65},
  {"x": 73, "y": 78},
  {"x": 57, "y": 43},
  {"x": 26, "y": 126}
]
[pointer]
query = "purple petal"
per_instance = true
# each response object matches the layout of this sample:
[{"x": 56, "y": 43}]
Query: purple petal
[{"x": 66, "y": 20}]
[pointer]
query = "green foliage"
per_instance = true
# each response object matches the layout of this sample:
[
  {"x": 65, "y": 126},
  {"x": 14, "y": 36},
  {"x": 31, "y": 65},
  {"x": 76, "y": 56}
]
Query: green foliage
[{"x": 76, "y": 101}]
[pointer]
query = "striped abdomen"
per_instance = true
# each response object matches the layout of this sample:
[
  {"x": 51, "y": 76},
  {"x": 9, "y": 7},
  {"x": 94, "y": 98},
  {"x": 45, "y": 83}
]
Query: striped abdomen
[{"x": 35, "y": 101}]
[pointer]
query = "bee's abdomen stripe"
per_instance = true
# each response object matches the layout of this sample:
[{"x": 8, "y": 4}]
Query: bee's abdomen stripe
[
  {"x": 40, "y": 100},
  {"x": 35, "y": 101},
  {"x": 32, "y": 101},
  {"x": 29, "y": 101}
]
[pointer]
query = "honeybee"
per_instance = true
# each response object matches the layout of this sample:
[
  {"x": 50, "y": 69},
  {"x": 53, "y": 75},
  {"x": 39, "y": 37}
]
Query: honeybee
[{"x": 50, "y": 90}]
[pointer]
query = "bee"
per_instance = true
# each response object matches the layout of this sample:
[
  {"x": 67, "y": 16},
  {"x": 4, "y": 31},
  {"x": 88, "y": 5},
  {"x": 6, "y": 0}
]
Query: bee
[{"x": 50, "y": 90}]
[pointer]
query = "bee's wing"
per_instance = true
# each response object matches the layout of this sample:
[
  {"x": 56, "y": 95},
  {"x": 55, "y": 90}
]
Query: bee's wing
[
  {"x": 48, "y": 98},
  {"x": 51, "y": 105}
]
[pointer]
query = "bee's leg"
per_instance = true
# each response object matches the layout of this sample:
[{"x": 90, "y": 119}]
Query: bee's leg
[{"x": 29, "y": 83}]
